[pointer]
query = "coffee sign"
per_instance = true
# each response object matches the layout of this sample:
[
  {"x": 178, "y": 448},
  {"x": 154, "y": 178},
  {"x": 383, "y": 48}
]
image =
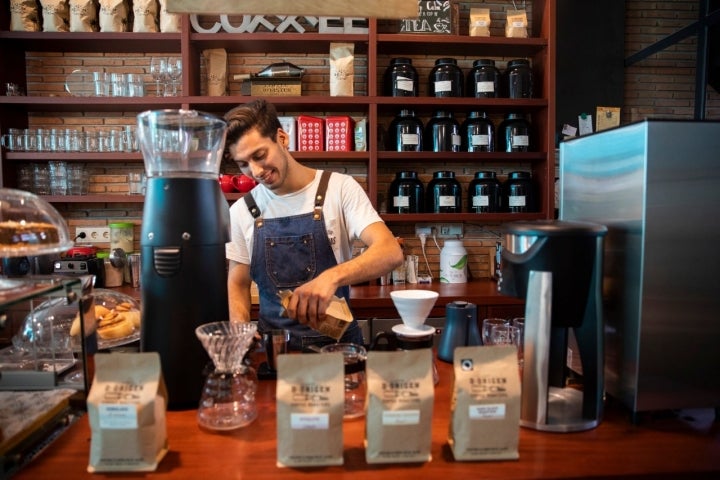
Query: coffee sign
[{"x": 434, "y": 16}]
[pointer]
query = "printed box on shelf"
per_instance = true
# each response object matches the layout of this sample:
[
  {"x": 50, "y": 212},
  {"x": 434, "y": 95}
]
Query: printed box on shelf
[
  {"x": 310, "y": 133},
  {"x": 339, "y": 133}
]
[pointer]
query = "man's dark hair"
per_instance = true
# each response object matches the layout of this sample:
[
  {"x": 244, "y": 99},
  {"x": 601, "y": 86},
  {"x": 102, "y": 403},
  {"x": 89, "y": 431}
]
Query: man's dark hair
[{"x": 257, "y": 114}]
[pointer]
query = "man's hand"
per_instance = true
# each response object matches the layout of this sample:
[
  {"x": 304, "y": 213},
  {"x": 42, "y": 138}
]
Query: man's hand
[{"x": 310, "y": 300}]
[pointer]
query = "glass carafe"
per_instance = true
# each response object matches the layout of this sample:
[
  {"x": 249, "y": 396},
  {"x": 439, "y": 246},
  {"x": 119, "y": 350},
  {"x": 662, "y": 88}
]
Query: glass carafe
[{"x": 228, "y": 396}]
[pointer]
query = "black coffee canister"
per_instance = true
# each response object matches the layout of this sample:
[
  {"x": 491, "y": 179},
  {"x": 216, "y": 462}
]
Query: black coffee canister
[
  {"x": 406, "y": 132},
  {"x": 442, "y": 133},
  {"x": 513, "y": 134},
  {"x": 484, "y": 193},
  {"x": 518, "y": 79},
  {"x": 478, "y": 133},
  {"x": 446, "y": 79},
  {"x": 518, "y": 193},
  {"x": 400, "y": 79},
  {"x": 406, "y": 193},
  {"x": 443, "y": 194},
  {"x": 483, "y": 81}
]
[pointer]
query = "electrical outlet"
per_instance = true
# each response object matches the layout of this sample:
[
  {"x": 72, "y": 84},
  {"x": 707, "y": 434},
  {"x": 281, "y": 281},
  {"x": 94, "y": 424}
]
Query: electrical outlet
[
  {"x": 92, "y": 234},
  {"x": 441, "y": 230},
  {"x": 423, "y": 229},
  {"x": 449, "y": 230}
]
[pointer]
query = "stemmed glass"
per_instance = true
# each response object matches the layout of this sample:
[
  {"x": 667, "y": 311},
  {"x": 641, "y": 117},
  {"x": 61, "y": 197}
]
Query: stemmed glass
[
  {"x": 159, "y": 71},
  {"x": 174, "y": 71}
]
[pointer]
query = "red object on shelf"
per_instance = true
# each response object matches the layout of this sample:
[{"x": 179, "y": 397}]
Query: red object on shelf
[
  {"x": 339, "y": 133},
  {"x": 310, "y": 133}
]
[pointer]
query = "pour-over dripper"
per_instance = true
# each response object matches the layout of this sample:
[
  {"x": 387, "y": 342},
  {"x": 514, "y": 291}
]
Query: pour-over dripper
[
  {"x": 414, "y": 306},
  {"x": 228, "y": 396}
]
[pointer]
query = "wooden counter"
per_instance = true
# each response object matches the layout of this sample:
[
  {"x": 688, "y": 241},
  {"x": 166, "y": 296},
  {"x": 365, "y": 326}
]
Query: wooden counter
[
  {"x": 684, "y": 446},
  {"x": 373, "y": 301}
]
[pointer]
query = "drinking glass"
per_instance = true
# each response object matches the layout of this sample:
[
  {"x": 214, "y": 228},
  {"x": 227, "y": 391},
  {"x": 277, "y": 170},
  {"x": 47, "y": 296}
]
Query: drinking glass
[
  {"x": 76, "y": 178},
  {"x": 174, "y": 72},
  {"x": 487, "y": 325},
  {"x": 158, "y": 70},
  {"x": 58, "y": 178},
  {"x": 504, "y": 335}
]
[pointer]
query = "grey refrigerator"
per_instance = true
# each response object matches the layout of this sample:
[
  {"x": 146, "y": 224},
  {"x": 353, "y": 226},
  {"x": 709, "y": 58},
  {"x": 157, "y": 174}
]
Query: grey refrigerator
[{"x": 656, "y": 185}]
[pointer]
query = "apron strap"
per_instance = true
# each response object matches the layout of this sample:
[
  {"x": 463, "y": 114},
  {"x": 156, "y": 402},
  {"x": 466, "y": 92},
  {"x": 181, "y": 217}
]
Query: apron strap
[
  {"x": 320, "y": 194},
  {"x": 254, "y": 209}
]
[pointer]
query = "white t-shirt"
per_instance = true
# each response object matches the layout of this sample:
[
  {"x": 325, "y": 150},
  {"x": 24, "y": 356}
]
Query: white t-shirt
[{"x": 347, "y": 212}]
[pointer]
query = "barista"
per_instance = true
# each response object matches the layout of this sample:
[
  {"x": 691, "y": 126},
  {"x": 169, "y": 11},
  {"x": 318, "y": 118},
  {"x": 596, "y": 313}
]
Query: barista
[{"x": 294, "y": 231}]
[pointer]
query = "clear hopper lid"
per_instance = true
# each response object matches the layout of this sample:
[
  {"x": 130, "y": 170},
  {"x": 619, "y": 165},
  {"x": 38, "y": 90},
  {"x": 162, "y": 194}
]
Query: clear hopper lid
[{"x": 181, "y": 143}]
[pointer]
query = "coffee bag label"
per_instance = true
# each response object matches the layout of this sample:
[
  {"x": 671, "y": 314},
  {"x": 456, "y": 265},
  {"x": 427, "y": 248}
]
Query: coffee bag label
[
  {"x": 310, "y": 396},
  {"x": 485, "y": 416},
  {"x": 127, "y": 412},
  {"x": 400, "y": 406}
]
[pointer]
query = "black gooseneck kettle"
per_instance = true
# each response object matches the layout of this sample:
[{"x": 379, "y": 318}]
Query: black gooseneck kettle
[
  {"x": 186, "y": 224},
  {"x": 460, "y": 330}
]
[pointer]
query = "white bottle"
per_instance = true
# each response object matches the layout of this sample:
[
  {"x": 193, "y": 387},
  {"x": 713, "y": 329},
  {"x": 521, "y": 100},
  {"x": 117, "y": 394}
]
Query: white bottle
[{"x": 453, "y": 262}]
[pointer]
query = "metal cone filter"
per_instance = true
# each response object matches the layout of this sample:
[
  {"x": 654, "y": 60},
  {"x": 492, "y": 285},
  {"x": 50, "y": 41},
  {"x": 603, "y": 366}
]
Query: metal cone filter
[
  {"x": 226, "y": 343},
  {"x": 414, "y": 306}
]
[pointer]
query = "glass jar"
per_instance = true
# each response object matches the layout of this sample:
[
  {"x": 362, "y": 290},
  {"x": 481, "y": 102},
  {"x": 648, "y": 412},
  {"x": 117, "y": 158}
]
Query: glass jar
[
  {"x": 446, "y": 79},
  {"x": 443, "y": 194},
  {"x": 121, "y": 236},
  {"x": 406, "y": 193},
  {"x": 483, "y": 81},
  {"x": 514, "y": 134},
  {"x": 406, "y": 132},
  {"x": 518, "y": 79},
  {"x": 518, "y": 192},
  {"x": 484, "y": 193},
  {"x": 478, "y": 133},
  {"x": 442, "y": 133},
  {"x": 400, "y": 79}
]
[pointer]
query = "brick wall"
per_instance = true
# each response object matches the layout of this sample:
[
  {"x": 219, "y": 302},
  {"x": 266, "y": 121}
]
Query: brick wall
[{"x": 660, "y": 86}]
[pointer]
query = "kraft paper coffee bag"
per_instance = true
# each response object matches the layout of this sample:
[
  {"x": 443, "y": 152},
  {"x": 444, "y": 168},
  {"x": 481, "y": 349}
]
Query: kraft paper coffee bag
[
  {"x": 127, "y": 407},
  {"x": 310, "y": 397},
  {"x": 400, "y": 402},
  {"x": 485, "y": 416}
]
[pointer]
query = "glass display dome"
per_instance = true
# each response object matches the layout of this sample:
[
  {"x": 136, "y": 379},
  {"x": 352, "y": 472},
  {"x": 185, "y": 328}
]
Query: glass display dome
[{"x": 30, "y": 226}]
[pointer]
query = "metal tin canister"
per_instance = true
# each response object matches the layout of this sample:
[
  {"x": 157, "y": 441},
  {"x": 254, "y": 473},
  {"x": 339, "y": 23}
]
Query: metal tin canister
[
  {"x": 478, "y": 133},
  {"x": 518, "y": 193},
  {"x": 513, "y": 134},
  {"x": 406, "y": 193},
  {"x": 483, "y": 81},
  {"x": 442, "y": 133},
  {"x": 400, "y": 78},
  {"x": 446, "y": 79},
  {"x": 443, "y": 194},
  {"x": 484, "y": 193},
  {"x": 518, "y": 79},
  {"x": 406, "y": 132}
]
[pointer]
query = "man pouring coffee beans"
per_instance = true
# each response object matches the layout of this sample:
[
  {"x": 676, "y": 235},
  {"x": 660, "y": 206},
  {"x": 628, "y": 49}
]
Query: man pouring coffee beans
[{"x": 294, "y": 231}]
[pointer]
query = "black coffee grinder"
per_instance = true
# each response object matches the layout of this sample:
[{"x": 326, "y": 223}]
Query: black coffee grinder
[
  {"x": 186, "y": 224},
  {"x": 557, "y": 267}
]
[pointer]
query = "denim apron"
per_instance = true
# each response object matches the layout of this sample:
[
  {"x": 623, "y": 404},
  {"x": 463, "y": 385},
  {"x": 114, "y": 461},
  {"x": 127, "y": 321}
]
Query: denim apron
[{"x": 288, "y": 252}]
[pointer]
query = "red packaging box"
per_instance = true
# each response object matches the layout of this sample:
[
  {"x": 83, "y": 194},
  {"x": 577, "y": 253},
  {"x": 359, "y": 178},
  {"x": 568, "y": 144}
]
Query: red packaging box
[
  {"x": 339, "y": 134},
  {"x": 310, "y": 133}
]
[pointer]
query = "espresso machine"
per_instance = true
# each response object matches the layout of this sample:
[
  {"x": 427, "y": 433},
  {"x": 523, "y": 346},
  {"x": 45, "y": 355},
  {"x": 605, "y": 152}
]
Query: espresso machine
[
  {"x": 186, "y": 224},
  {"x": 557, "y": 267}
]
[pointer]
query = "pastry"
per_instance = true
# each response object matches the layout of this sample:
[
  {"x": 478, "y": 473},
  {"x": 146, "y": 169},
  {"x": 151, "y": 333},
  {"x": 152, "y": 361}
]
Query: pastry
[{"x": 28, "y": 233}]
